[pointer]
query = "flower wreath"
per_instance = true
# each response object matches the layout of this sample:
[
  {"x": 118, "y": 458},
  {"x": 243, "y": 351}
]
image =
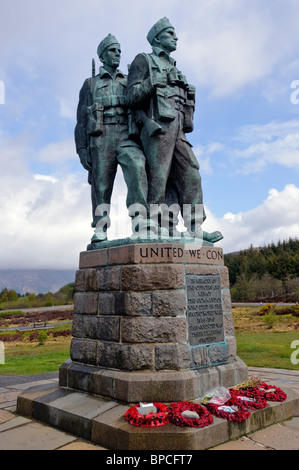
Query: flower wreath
[
  {"x": 248, "y": 399},
  {"x": 176, "y": 410},
  {"x": 270, "y": 392},
  {"x": 239, "y": 415},
  {"x": 151, "y": 419}
]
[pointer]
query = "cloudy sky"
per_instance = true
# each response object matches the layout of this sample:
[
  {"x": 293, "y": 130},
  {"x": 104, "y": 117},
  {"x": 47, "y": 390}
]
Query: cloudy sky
[{"x": 243, "y": 58}]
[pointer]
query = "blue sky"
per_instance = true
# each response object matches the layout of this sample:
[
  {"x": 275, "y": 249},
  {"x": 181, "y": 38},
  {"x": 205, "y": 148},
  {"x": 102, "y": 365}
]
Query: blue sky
[{"x": 242, "y": 56}]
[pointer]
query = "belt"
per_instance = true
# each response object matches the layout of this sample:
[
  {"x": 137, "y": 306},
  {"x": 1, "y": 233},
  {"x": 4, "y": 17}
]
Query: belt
[{"x": 115, "y": 120}]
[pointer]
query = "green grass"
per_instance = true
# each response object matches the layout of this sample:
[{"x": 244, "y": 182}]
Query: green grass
[
  {"x": 267, "y": 349},
  {"x": 257, "y": 346},
  {"x": 7, "y": 314}
]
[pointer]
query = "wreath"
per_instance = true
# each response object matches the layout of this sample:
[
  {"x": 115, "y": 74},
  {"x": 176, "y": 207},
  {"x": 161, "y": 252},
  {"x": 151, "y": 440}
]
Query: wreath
[
  {"x": 232, "y": 410},
  {"x": 271, "y": 392},
  {"x": 255, "y": 387},
  {"x": 176, "y": 417},
  {"x": 248, "y": 399},
  {"x": 160, "y": 418}
]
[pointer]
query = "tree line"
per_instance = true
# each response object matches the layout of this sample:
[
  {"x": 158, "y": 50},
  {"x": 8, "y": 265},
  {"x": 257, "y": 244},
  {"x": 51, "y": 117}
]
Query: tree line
[
  {"x": 269, "y": 273},
  {"x": 10, "y": 299}
]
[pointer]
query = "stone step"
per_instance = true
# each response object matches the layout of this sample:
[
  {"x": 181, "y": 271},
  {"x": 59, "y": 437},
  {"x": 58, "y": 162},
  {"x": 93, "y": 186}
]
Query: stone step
[{"x": 101, "y": 421}]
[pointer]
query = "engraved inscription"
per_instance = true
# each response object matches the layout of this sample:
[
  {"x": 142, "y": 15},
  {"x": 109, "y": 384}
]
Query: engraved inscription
[{"x": 204, "y": 313}]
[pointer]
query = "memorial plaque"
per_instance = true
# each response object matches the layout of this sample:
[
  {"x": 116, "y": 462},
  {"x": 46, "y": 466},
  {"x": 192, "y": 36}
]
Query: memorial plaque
[{"x": 204, "y": 312}]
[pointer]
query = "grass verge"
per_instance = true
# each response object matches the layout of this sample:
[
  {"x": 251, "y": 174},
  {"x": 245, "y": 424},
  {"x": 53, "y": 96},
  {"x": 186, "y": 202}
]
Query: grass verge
[
  {"x": 267, "y": 349},
  {"x": 34, "y": 358}
]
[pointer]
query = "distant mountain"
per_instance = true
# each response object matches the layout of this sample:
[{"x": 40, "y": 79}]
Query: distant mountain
[{"x": 39, "y": 281}]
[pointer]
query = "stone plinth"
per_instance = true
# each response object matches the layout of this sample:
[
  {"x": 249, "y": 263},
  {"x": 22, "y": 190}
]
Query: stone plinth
[{"x": 152, "y": 322}]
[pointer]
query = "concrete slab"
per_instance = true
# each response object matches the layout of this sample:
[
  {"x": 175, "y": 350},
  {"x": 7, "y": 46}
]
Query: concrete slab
[
  {"x": 5, "y": 416},
  {"x": 244, "y": 443},
  {"x": 278, "y": 437},
  {"x": 67, "y": 410},
  {"x": 13, "y": 423},
  {"x": 293, "y": 423},
  {"x": 34, "y": 436},
  {"x": 80, "y": 444}
]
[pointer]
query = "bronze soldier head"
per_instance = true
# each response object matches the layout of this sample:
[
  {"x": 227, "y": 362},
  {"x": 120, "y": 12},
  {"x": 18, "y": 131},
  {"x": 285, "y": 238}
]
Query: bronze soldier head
[
  {"x": 162, "y": 34},
  {"x": 109, "y": 52}
]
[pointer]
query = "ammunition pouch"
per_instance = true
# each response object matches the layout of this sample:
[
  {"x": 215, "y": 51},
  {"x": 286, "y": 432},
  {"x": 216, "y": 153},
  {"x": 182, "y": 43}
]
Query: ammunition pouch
[
  {"x": 188, "y": 125},
  {"x": 149, "y": 124},
  {"x": 164, "y": 105},
  {"x": 95, "y": 119}
]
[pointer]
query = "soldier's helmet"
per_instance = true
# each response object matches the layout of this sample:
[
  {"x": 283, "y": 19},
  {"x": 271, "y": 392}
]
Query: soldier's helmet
[
  {"x": 162, "y": 24},
  {"x": 106, "y": 42}
]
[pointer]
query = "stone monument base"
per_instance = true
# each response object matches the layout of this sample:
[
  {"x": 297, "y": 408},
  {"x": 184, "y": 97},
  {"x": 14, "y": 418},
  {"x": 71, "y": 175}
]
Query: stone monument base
[
  {"x": 152, "y": 322},
  {"x": 102, "y": 421},
  {"x": 150, "y": 386}
]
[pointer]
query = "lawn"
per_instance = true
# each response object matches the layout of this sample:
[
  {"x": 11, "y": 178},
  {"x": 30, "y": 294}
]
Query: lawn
[
  {"x": 267, "y": 349},
  {"x": 34, "y": 358},
  {"x": 259, "y": 344}
]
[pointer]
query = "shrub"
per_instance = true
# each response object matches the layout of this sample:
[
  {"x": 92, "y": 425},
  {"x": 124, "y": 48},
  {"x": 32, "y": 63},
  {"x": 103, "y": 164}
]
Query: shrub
[
  {"x": 289, "y": 310},
  {"x": 266, "y": 309},
  {"x": 269, "y": 319},
  {"x": 42, "y": 336},
  {"x": 8, "y": 338}
]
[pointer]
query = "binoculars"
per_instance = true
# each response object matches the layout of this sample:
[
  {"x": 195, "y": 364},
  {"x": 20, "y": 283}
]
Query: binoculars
[{"x": 175, "y": 78}]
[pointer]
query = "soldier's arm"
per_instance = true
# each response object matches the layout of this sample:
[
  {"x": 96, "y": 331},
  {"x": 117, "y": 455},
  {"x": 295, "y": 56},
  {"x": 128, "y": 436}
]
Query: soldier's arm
[
  {"x": 81, "y": 137},
  {"x": 140, "y": 86}
]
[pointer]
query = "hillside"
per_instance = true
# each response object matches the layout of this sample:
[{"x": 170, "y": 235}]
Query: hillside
[
  {"x": 269, "y": 273},
  {"x": 39, "y": 281}
]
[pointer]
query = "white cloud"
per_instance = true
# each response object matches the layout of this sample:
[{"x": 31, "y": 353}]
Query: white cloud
[
  {"x": 47, "y": 178},
  {"x": 254, "y": 148},
  {"x": 45, "y": 219},
  {"x": 205, "y": 153},
  {"x": 227, "y": 46},
  {"x": 263, "y": 145},
  {"x": 224, "y": 48},
  {"x": 58, "y": 152},
  {"x": 277, "y": 218}
]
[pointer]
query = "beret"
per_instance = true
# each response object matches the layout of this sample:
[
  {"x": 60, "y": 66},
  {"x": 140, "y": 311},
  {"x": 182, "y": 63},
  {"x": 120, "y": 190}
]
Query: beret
[{"x": 162, "y": 24}]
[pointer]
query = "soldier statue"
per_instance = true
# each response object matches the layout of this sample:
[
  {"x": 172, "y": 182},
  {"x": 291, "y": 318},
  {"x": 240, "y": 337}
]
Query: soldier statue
[
  {"x": 163, "y": 102},
  {"x": 102, "y": 141}
]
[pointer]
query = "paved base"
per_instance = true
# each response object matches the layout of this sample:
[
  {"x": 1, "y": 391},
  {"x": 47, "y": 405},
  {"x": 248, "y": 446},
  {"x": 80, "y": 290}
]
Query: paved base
[
  {"x": 149, "y": 386},
  {"x": 101, "y": 421}
]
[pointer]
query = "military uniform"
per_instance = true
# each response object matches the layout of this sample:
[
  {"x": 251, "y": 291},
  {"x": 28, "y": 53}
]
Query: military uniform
[
  {"x": 102, "y": 128},
  {"x": 169, "y": 155}
]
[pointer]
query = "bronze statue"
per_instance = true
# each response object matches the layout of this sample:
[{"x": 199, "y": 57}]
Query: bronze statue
[
  {"x": 140, "y": 123},
  {"x": 102, "y": 142},
  {"x": 163, "y": 102}
]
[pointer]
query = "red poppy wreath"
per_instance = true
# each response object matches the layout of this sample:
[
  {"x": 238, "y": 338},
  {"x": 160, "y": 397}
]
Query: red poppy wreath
[
  {"x": 248, "y": 399},
  {"x": 201, "y": 416},
  {"x": 150, "y": 420},
  {"x": 231, "y": 411},
  {"x": 271, "y": 392}
]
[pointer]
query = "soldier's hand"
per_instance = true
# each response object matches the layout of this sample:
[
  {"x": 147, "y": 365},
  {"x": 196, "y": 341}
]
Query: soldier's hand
[
  {"x": 84, "y": 158},
  {"x": 159, "y": 80},
  {"x": 191, "y": 92}
]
